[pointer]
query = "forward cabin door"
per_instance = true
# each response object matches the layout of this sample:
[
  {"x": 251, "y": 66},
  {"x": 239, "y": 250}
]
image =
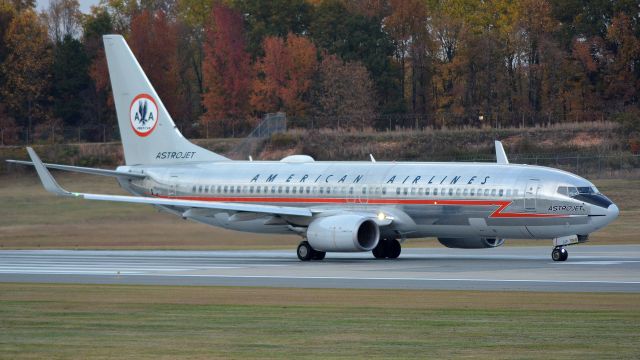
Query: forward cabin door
[{"x": 531, "y": 194}]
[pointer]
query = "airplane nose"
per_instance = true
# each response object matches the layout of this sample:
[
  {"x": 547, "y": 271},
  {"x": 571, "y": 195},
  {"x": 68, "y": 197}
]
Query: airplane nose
[{"x": 612, "y": 212}]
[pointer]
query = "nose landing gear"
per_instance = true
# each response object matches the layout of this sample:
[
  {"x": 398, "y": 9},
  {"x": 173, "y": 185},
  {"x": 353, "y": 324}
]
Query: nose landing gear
[{"x": 559, "y": 253}]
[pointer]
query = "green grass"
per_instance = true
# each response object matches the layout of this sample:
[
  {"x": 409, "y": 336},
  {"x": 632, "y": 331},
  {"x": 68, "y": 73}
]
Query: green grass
[
  {"x": 92, "y": 321},
  {"x": 33, "y": 218}
]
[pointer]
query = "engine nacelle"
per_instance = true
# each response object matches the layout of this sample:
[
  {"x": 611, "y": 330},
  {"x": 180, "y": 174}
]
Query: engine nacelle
[
  {"x": 343, "y": 233},
  {"x": 471, "y": 243}
]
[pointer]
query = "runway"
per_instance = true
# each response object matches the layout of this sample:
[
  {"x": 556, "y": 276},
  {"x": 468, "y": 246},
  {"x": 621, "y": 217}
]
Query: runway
[{"x": 589, "y": 269}]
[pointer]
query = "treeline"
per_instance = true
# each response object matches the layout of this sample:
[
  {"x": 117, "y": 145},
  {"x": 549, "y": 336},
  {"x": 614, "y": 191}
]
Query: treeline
[{"x": 223, "y": 64}]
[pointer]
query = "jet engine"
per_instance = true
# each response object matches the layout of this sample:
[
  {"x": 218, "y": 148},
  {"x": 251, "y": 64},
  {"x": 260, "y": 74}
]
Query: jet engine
[
  {"x": 471, "y": 243},
  {"x": 345, "y": 233}
]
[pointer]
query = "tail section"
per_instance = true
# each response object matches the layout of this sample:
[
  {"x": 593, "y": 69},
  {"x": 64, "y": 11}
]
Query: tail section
[{"x": 149, "y": 135}]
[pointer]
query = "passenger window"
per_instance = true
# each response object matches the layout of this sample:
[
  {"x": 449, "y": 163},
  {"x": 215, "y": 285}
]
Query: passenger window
[
  {"x": 194, "y": 189},
  {"x": 413, "y": 191},
  {"x": 508, "y": 192},
  {"x": 351, "y": 191},
  {"x": 384, "y": 191},
  {"x": 486, "y": 192},
  {"x": 458, "y": 191},
  {"x": 397, "y": 191},
  {"x": 435, "y": 191},
  {"x": 225, "y": 189},
  {"x": 258, "y": 189},
  {"x": 364, "y": 190},
  {"x": 251, "y": 189},
  {"x": 200, "y": 189},
  {"x": 377, "y": 190},
  {"x": 426, "y": 191},
  {"x": 328, "y": 190},
  {"x": 219, "y": 189},
  {"x": 515, "y": 192},
  {"x": 293, "y": 190},
  {"x": 279, "y": 189},
  {"x": 321, "y": 190},
  {"x": 206, "y": 189},
  {"x": 420, "y": 191},
  {"x": 472, "y": 191},
  {"x": 238, "y": 189},
  {"x": 405, "y": 191},
  {"x": 308, "y": 189},
  {"x": 501, "y": 192},
  {"x": 465, "y": 192},
  {"x": 231, "y": 188},
  {"x": 450, "y": 192},
  {"x": 493, "y": 192}
]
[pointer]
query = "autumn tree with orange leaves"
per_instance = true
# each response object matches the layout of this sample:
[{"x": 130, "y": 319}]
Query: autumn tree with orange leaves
[
  {"x": 226, "y": 72},
  {"x": 153, "y": 40},
  {"x": 284, "y": 75}
]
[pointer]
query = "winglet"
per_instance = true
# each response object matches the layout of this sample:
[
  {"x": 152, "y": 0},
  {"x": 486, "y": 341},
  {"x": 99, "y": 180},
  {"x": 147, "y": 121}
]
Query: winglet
[
  {"x": 48, "y": 181},
  {"x": 501, "y": 156}
]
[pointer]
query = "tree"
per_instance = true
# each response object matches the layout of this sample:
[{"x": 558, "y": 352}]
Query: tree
[
  {"x": 273, "y": 18},
  {"x": 227, "y": 69},
  {"x": 344, "y": 92},
  {"x": 26, "y": 69},
  {"x": 63, "y": 19},
  {"x": 153, "y": 40},
  {"x": 71, "y": 82},
  {"x": 284, "y": 75},
  {"x": 356, "y": 37},
  {"x": 623, "y": 78}
]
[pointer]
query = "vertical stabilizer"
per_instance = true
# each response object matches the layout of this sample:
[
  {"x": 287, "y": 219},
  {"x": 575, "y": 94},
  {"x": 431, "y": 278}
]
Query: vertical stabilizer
[{"x": 149, "y": 135}]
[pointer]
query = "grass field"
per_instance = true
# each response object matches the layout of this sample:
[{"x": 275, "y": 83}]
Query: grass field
[
  {"x": 32, "y": 218},
  {"x": 119, "y": 321}
]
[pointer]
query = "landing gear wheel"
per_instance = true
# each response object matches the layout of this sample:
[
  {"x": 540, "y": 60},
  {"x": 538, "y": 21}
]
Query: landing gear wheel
[
  {"x": 318, "y": 255},
  {"x": 305, "y": 251},
  {"x": 393, "y": 249},
  {"x": 389, "y": 249},
  {"x": 559, "y": 254},
  {"x": 379, "y": 250}
]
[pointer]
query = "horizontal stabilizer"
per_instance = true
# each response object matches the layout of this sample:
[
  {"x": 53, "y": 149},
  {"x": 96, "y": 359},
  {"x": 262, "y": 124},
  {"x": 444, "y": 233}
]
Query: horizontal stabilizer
[{"x": 80, "y": 169}]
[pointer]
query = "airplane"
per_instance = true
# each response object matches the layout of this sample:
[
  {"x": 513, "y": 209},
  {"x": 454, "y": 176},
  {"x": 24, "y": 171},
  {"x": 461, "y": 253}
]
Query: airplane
[{"x": 335, "y": 206}]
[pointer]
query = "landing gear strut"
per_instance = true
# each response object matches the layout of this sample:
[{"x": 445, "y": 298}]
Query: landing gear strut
[
  {"x": 306, "y": 252},
  {"x": 559, "y": 253},
  {"x": 389, "y": 249}
]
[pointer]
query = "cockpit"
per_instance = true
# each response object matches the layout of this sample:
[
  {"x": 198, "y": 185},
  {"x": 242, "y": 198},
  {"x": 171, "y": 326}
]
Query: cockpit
[{"x": 588, "y": 194}]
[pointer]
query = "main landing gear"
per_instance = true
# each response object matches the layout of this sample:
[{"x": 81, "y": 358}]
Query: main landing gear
[
  {"x": 306, "y": 252},
  {"x": 559, "y": 253},
  {"x": 387, "y": 249}
]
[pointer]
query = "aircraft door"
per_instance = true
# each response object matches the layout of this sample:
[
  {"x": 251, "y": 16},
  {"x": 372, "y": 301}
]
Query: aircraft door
[
  {"x": 531, "y": 194},
  {"x": 173, "y": 183}
]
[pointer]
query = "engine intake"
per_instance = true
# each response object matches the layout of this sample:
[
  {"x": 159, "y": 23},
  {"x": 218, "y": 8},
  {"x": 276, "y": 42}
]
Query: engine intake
[
  {"x": 471, "y": 243},
  {"x": 344, "y": 233}
]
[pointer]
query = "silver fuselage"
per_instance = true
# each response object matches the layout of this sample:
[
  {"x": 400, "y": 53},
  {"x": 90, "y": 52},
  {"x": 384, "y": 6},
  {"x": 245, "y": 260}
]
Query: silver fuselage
[{"x": 424, "y": 199}]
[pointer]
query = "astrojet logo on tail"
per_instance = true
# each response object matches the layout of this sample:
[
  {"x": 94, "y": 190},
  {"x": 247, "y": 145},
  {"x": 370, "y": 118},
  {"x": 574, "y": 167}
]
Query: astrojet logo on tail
[{"x": 143, "y": 114}]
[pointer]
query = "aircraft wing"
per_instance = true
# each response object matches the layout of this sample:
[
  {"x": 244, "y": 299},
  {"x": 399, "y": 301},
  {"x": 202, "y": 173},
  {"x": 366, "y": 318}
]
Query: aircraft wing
[
  {"x": 80, "y": 169},
  {"x": 52, "y": 186}
]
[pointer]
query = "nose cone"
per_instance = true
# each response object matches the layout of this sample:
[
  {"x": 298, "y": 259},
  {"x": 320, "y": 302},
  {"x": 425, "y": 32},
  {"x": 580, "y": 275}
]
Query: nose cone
[{"x": 612, "y": 212}]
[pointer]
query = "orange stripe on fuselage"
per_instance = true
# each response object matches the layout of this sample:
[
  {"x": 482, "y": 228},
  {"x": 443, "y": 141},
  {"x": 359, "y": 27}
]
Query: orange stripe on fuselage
[{"x": 498, "y": 213}]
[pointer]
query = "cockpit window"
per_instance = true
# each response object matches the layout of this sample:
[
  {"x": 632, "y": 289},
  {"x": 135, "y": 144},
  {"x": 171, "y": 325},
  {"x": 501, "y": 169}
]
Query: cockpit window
[{"x": 588, "y": 194}]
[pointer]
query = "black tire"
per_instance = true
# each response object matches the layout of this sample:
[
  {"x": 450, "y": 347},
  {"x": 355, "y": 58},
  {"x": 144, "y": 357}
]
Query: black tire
[
  {"x": 564, "y": 254},
  {"x": 318, "y": 255},
  {"x": 379, "y": 252},
  {"x": 556, "y": 254},
  {"x": 304, "y": 251},
  {"x": 393, "y": 249}
]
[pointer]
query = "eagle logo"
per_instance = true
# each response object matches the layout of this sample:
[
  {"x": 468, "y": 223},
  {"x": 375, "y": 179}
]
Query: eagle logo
[{"x": 143, "y": 114}]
